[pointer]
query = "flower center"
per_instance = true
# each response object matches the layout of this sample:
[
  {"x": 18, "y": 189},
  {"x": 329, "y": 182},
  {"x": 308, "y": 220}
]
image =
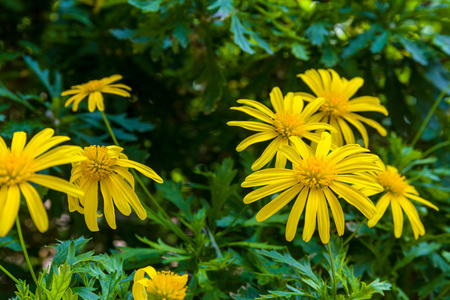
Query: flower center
[
  {"x": 15, "y": 167},
  {"x": 315, "y": 172},
  {"x": 166, "y": 286},
  {"x": 336, "y": 104},
  {"x": 97, "y": 166},
  {"x": 392, "y": 181},
  {"x": 287, "y": 124},
  {"x": 93, "y": 86}
]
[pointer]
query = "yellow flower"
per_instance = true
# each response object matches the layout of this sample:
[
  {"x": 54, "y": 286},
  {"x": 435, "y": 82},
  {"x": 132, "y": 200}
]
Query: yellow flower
[
  {"x": 19, "y": 166},
  {"x": 338, "y": 109},
  {"x": 289, "y": 119},
  {"x": 398, "y": 193},
  {"x": 108, "y": 167},
  {"x": 315, "y": 179},
  {"x": 162, "y": 285},
  {"x": 94, "y": 90}
]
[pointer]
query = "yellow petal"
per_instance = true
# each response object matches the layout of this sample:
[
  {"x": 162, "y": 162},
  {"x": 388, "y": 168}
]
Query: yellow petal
[
  {"x": 10, "y": 209},
  {"x": 257, "y": 105},
  {"x": 278, "y": 203},
  {"x": 397, "y": 215},
  {"x": 413, "y": 216},
  {"x": 138, "y": 290},
  {"x": 305, "y": 96},
  {"x": 291, "y": 153},
  {"x": 323, "y": 218},
  {"x": 353, "y": 86},
  {"x": 323, "y": 148},
  {"x": 18, "y": 141},
  {"x": 91, "y": 205},
  {"x": 130, "y": 195},
  {"x": 125, "y": 174},
  {"x": 381, "y": 207},
  {"x": 371, "y": 123},
  {"x": 108, "y": 205},
  {"x": 35, "y": 206},
  {"x": 268, "y": 154},
  {"x": 355, "y": 198},
  {"x": 3, "y": 147},
  {"x": 118, "y": 197},
  {"x": 312, "y": 107},
  {"x": 263, "y": 177},
  {"x": 92, "y": 102},
  {"x": 310, "y": 214},
  {"x": 57, "y": 184},
  {"x": 336, "y": 210},
  {"x": 146, "y": 171},
  {"x": 294, "y": 216},
  {"x": 268, "y": 190},
  {"x": 117, "y": 92},
  {"x": 276, "y": 98},
  {"x": 255, "y": 138},
  {"x": 304, "y": 150},
  {"x": 250, "y": 125},
  {"x": 254, "y": 113},
  {"x": 360, "y": 127},
  {"x": 421, "y": 200}
]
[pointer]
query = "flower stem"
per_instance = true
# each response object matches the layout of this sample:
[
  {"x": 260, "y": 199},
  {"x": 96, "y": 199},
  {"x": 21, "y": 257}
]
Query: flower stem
[
  {"x": 429, "y": 115},
  {"x": 9, "y": 274},
  {"x": 24, "y": 249},
  {"x": 166, "y": 219},
  {"x": 354, "y": 232},
  {"x": 111, "y": 133},
  {"x": 333, "y": 271},
  {"x": 436, "y": 147}
]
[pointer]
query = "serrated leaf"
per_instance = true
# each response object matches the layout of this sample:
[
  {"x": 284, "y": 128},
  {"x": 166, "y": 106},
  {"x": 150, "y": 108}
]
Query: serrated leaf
[
  {"x": 161, "y": 246},
  {"x": 239, "y": 31},
  {"x": 172, "y": 192},
  {"x": 299, "y": 51},
  {"x": 54, "y": 88},
  {"x": 146, "y": 6},
  {"x": 86, "y": 293},
  {"x": 366, "y": 291},
  {"x": 181, "y": 33},
  {"x": 62, "y": 249},
  {"x": 23, "y": 291},
  {"x": 60, "y": 282},
  {"x": 317, "y": 33},
  {"x": 416, "y": 50},
  {"x": 225, "y": 8}
]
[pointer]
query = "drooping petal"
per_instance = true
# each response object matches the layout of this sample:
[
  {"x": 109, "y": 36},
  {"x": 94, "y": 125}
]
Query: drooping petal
[
  {"x": 296, "y": 212},
  {"x": 381, "y": 207},
  {"x": 268, "y": 154},
  {"x": 355, "y": 198},
  {"x": 118, "y": 197},
  {"x": 10, "y": 209},
  {"x": 310, "y": 214},
  {"x": 336, "y": 210},
  {"x": 91, "y": 205},
  {"x": 397, "y": 215},
  {"x": 323, "y": 218},
  {"x": 35, "y": 206},
  {"x": 413, "y": 216},
  {"x": 146, "y": 171},
  {"x": 421, "y": 200},
  {"x": 108, "y": 209},
  {"x": 255, "y": 138},
  {"x": 278, "y": 203},
  {"x": 57, "y": 184},
  {"x": 130, "y": 195},
  {"x": 268, "y": 190}
]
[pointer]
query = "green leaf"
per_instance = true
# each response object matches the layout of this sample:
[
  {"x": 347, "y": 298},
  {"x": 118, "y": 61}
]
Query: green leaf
[
  {"x": 146, "y": 6},
  {"x": 329, "y": 57},
  {"x": 225, "y": 8},
  {"x": 238, "y": 30},
  {"x": 219, "y": 263},
  {"x": 86, "y": 293},
  {"x": 10, "y": 242},
  {"x": 68, "y": 295},
  {"x": 181, "y": 33},
  {"x": 443, "y": 42},
  {"x": 161, "y": 246},
  {"x": 317, "y": 33},
  {"x": 380, "y": 41},
  {"x": 172, "y": 192},
  {"x": 60, "y": 282},
  {"x": 23, "y": 291},
  {"x": 4, "y": 92},
  {"x": 44, "y": 75},
  {"x": 423, "y": 249},
  {"x": 366, "y": 291},
  {"x": 299, "y": 51},
  {"x": 62, "y": 249},
  {"x": 416, "y": 50}
]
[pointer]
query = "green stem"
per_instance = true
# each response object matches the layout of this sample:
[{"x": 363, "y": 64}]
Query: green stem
[
  {"x": 443, "y": 293},
  {"x": 333, "y": 271},
  {"x": 24, "y": 249},
  {"x": 429, "y": 115},
  {"x": 167, "y": 219},
  {"x": 435, "y": 147},
  {"x": 9, "y": 274},
  {"x": 110, "y": 129},
  {"x": 225, "y": 231},
  {"x": 354, "y": 232}
]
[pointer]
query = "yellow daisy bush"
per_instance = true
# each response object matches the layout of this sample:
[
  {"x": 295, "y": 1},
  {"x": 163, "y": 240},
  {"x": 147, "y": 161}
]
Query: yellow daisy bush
[
  {"x": 290, "y": 119},
  {"x": 314, "y": 180},
  {"x": 398, "y": 193},
  {"x": 19, "y": 167},
  {"x": 338, "y": 109},
  {"x": 95, "y": 89},
  {"x": 161, "y": 285},
  {"x": 107, "y": 167}
]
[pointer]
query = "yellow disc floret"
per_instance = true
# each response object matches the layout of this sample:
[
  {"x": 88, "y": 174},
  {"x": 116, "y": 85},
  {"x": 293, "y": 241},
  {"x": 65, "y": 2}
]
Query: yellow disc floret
[
  {"x": 288, "y": 124},
  {"x": 94, "y": 86},
  {"x": 98, "y": 165},
  {"x": 336, "y": 103},
  {"x": 166, "y": 286},
  {"x": 316, "y": 172},
  {"x": 15, "y": 167},
  {"x": 392, "y": 181}
]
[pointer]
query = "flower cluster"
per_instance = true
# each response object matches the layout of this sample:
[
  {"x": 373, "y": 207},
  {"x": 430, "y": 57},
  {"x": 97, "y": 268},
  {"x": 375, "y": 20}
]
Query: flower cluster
[{"x": 326, "y": 162}]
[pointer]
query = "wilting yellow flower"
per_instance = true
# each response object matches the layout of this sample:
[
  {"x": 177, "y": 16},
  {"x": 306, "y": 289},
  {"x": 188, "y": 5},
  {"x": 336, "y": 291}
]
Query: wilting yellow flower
[
  {"x": 19, "y": 166},
  {"x": 108, "y": 167},
  {"x": 290, "y": 119},
  {"x": 397, "y": 193},
  {"x": 94, "y": 90},
  {"x": 161, "y": 285},
  {"x": 338, "y": 109},
  {"x": 315, "y": 179}
]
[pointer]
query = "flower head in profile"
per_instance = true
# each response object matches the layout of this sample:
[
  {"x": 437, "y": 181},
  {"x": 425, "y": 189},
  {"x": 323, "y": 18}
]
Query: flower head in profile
[
  {"x": 107, "y": 167},
  {"x": 338, "y": 110},
  {"x": 161, "y": 285},
  {"x": 19, "y": 167},
  {"x": 398, "y": 193},
  {"x": 95, "y": 89},
  {"x": 290, "y": 119},
  {"x": 314, "y": 181}
]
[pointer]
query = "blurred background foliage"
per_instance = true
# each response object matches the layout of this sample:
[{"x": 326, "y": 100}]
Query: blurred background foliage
[{"x": 188, "y": 61}]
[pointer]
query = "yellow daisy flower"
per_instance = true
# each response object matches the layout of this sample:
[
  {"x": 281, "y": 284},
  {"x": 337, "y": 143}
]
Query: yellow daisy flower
[
  {"x": 108, "y": 167},
  {"x": 399, "y": 194},
  {"x": 315, "y": 179},
  {"x": 94, "y": 90},
  {"x": 338, "y": 109},
  {"x": 290, "y": 118},
  {"x": 19, "y": 166},
  {"x": 161, "y": 285}
]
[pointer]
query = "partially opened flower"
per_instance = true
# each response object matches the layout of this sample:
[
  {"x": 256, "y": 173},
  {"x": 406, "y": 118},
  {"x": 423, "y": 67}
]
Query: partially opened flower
[
  {"x": 94, "y": 90},
  {"x": 161, "y": 285},
  {"x": 19, "y": 167},
  {"x": 107, "y": 167},
  {"x": 315, "y": 180},
  {"x": 398, "y": 193},
  {"x": 338, "y": 110},
  {"x": 290, "y": 118}
]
